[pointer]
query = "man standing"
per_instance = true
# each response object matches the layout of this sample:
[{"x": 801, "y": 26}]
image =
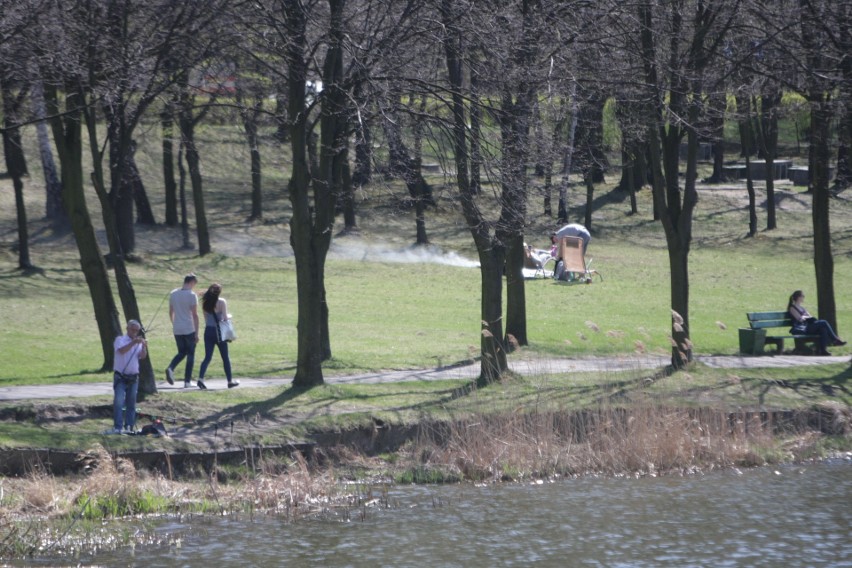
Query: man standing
[
  {"x": 129, "y": 349},
  {"x": 183, "y": 311}
]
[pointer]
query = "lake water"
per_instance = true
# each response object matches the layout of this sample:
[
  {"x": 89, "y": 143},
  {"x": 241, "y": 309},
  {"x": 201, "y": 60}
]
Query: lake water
[{"x": 786, "y": 516}]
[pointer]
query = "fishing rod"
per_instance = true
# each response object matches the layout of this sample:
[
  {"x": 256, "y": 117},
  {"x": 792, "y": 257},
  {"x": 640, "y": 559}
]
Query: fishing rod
[
  {"x": 169, "y": 419},
  {"x": 148, "y": 327}
]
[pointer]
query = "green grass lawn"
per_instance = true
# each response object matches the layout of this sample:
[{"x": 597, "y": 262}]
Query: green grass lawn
[
  {"x": 271, "y": 415},
  {"x": 391, "y": 315},
  {"x": 396, "y": 316}
]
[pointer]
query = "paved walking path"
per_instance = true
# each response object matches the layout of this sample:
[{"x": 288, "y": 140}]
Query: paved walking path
[{"x": 521, "y": 366}]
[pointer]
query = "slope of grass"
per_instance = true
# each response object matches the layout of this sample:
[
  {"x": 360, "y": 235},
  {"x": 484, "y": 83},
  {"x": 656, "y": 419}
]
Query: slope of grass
[{"x": 385, "y": 314}]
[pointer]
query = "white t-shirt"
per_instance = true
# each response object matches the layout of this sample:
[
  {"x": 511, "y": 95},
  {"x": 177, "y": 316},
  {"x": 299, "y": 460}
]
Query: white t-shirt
[
  {"x": 181, "y": 302},
  {"x": 127, "y": 363},
  {"x": 574, "y": 230}
]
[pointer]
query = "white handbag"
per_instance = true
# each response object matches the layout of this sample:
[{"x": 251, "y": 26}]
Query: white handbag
[{"x": 226, "y": 330}]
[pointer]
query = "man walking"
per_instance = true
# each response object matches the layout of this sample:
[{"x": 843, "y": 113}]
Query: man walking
[{"x": 183, "y": 311}]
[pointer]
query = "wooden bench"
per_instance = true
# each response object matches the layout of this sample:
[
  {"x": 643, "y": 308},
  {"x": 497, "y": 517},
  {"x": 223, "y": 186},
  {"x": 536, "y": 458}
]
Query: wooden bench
[{"x": 754, "y": 338}]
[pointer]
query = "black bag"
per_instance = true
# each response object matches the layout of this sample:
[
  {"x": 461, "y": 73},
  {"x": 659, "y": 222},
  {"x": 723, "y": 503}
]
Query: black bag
[
  {"x": 156, "y": 429},
  {"x": 127, "y": 377}
]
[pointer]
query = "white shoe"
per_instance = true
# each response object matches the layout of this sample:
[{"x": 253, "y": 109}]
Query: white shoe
[{"x": 111, "y": 431}]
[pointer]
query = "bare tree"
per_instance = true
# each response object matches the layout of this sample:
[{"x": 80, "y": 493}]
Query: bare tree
[
  {"x": 406, "y": 165},
  {"x": 66, "y": 126},
  {"x": 674, "y": 79},
  {"x": 250, "y": 93},
  {"x": 16, "y": 165},
  {"x": 53, "y": 209},
  {"x": 14, "y": 22},
  {"x": 823, "y": 55},
  {"x": 812, "y": 37}
]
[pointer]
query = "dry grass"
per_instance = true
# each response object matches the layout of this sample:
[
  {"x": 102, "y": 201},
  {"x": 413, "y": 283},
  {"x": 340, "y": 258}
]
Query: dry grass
[
  {"x": 42, "y": 513},
  {"x": 608, "y": 441},
  {"x": 45, "y": 513}
]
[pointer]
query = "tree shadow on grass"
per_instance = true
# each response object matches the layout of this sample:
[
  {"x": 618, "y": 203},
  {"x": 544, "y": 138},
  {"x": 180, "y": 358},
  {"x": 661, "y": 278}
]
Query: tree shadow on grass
[
  {"x": 18, "y": 382},
  {"x": 809, "y": 389},
  {"x": 615, "y": 391}
]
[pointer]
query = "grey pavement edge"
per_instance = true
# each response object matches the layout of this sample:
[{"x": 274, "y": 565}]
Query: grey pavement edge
[{"x": 528, "y": 367}]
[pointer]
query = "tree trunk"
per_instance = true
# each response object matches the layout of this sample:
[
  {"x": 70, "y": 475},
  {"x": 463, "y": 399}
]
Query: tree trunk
[
  {"x": 120, "y": 192},
  {"x": 282, "y": 129},
  {"x": 768, "y": 138},
  {"x": 250, "y": 127},
  {"x": 312, "y": 222},
  {"x": 16, "y": 167},
  {"x": 771, "y": 222},
  {"x": 186, "y": 123},
  {"x": 516, "y": 303},
  {"x": 24, "y": 262},
  {"x": 492, "y": 346},
  {"x": 589, "y": 137},
  {"x": 562, "y": 212},
  {"x": 677, "y": 223},
  {"x": 555, "y": 142},
  {"x": 334, "y": 119},
  {"x": 363, "y": 154},
  {"x": 823, "y": 259},
  {"x": 348, "y": 196},
  {"x": 184, "y": 215},
  {"x": 718, "y": 105},
  {"x": 408, "y": 168},
  {"x": 144, "y": 212},
  {"x": 67, "y": 135},
  {"x": 126, "y": 293},
  {"x": 167, "y": 128},
  {"x": 744, "y": 127},
  {"x": 475, "y": 135},
  {"x": 54, "y": 211},
  {"x": 631, "y": 183},
  {"x": 675, "y": 211},
  {"x": 679, "y": 282},
  {"x": 250, "y": 124},
  {"x": 752, "y": 198},
  {"x": 13, "y": 150},
  {"x": 491, "y": 252},
  {"x": 843, "y": 177},
  {"x": 590, "y": 197},
  {"x": 516, "y": 117}
]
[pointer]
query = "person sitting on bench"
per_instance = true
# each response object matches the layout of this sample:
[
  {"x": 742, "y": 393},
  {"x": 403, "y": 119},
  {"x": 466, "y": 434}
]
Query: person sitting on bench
[{"x": 806, "y": 324}]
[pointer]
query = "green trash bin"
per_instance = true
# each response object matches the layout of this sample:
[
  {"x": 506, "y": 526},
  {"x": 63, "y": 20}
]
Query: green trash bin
[{"x": 752, "y": 341}]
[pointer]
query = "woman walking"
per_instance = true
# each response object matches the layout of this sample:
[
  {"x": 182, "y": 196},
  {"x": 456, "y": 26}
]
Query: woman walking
[{"x": 215, "y": 310}]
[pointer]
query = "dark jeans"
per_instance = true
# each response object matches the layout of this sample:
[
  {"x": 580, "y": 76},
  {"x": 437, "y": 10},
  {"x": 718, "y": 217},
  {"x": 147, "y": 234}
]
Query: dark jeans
[
  {"x": 186, "y": 348},
  {"x": 211, "y": 340},
  {"x": 823, "y": 329},
  {"x": 125, "y": 388}
]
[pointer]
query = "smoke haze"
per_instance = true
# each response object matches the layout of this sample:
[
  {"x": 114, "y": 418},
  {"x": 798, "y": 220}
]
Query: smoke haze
[{"x": 408, "y": 255}]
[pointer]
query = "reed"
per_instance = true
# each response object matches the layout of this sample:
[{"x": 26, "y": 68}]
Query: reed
[
  {"x": 43, "y": 513},
  {"x": 609, "y": 440}
]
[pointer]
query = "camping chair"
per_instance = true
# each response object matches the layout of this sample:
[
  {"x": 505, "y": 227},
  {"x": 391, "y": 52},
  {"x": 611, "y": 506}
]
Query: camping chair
[
  {"x": 535, "y": 262},
  {"x": 570, "y": 252}
]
